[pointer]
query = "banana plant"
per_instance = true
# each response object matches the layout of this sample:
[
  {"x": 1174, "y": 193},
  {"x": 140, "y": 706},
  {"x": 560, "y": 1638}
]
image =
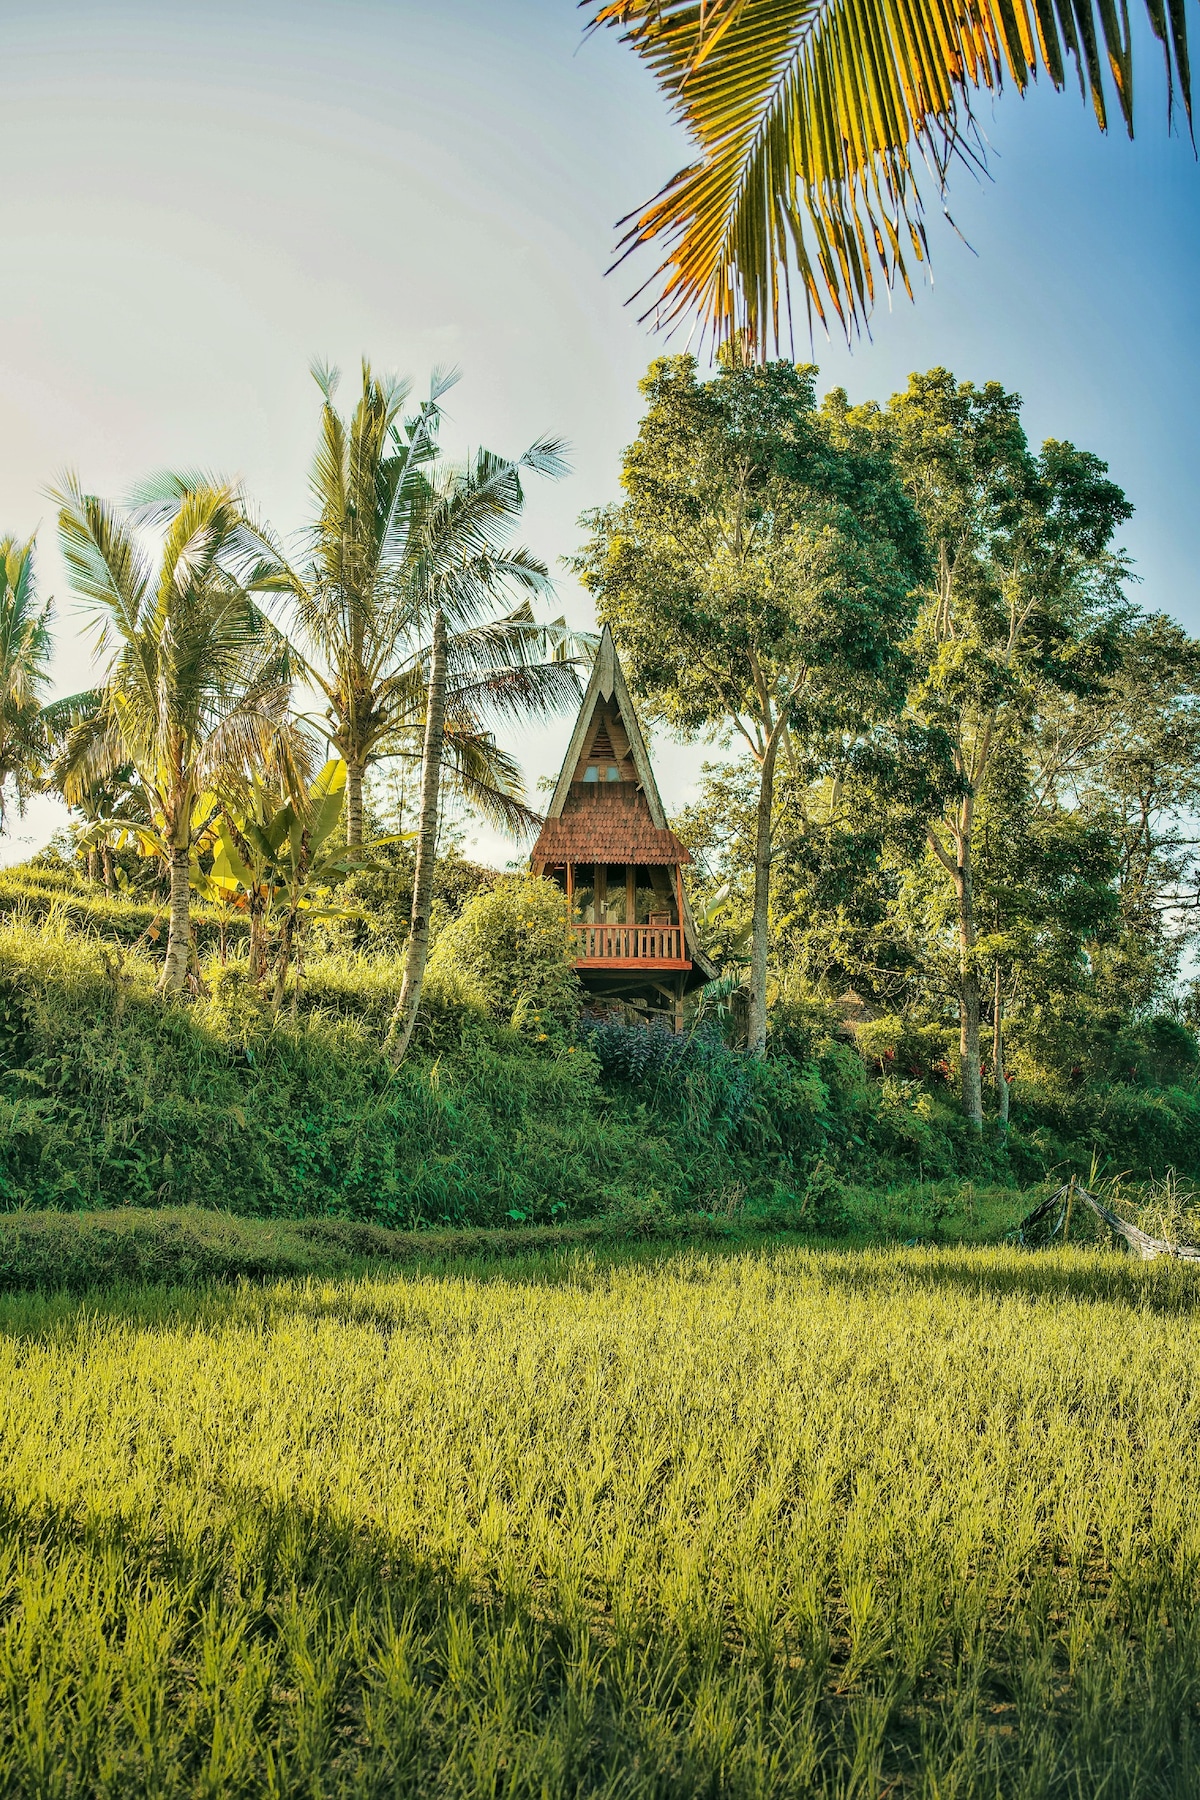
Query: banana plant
[{"x": 278, "y": 861}]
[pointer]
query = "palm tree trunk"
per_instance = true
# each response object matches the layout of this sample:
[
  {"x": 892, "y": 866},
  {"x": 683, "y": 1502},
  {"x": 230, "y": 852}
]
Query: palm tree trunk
[
  {"x": 175, "y": 967},
  {"x": 756, "y": 1030},
  {"x": 106, "y": 865},
  {"x": 354, "y": 803},
  {"x": 1001, "y": 1079},
  {"x": 405, "y": 1015}
]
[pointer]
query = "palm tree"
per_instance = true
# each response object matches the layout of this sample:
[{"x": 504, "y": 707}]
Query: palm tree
[
  {"x": 811, "y": 120},
  {"x": 25, "y": 650},
  {"x": 394, "y": 524},
  {"x": 197, "y": 682},
  {"x": 398, "y": 608},
  {"x": 73, "y": 727}
]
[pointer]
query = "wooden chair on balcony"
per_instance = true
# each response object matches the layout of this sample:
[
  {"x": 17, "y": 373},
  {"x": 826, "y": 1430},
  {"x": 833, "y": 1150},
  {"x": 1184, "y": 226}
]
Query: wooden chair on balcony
[{"x": 607, "y": 844}]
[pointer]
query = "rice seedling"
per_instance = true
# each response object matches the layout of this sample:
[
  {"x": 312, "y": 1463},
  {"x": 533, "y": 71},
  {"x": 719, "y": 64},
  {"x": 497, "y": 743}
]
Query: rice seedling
[{"x": 786, "y": 1523}]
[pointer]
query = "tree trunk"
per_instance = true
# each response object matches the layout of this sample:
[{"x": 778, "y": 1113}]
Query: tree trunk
[
  {"x": 968, "y": 998},
  {"x": 92, "y": 859},
  {"x": 283, "y": 960},
  {"x": 106, "y": 865},
  {"x": 405, "y": 1015},
  {"x": 179, "y": 930},
  {"x": 756, "y": 1028},
  {"x": 1000, "y": 1077},
  {"x": 257, "y": 951},
  {"x": 354, "y": 804}
]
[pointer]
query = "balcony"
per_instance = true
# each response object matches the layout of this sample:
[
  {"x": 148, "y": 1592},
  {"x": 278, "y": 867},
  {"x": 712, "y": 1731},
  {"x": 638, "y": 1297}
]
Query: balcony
[{"x": 630, "y": 946}]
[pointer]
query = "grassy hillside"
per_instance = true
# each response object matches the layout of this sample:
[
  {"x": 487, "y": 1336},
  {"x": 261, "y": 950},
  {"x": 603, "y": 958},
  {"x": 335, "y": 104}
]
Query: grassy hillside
[
  {"x": 915, "y": 1522},
  {"x": 109, "y": 1098}
]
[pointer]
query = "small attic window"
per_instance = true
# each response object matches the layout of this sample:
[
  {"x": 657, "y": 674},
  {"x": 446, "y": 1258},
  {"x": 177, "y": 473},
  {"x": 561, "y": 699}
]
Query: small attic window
[
  {"x": 612, "y": 773},
  {"x": 591, "y": 773}
]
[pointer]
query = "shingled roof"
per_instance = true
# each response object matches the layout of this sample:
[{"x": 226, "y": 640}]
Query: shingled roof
[
  {"x": 607, "y": 821},
  {"x": 607, "y": 835}
]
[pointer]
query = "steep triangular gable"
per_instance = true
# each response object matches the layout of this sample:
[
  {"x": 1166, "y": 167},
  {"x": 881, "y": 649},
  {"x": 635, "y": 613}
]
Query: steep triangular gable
[{"x": 608, "y": 683}]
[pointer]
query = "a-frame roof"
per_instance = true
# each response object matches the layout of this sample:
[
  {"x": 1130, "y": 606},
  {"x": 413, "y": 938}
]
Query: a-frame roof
[
  {"x": 608, "y": 683},
  {"x": 597, "y": 832},
  {"x": 619, "y": 823}
]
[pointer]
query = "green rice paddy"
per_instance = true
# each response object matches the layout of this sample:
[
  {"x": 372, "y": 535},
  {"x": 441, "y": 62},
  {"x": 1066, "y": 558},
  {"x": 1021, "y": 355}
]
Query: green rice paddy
[{"x": 780, "y": 1522}]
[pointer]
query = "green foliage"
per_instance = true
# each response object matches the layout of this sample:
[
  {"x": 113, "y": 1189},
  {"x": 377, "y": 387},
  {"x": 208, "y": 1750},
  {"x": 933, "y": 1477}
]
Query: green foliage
[
  {"x": 77, "y": 1253},
  {"x": 510, "y": 952},
  {"x": 378, "y": 901},
  {"x": 760, "y": 579},
  {"x": 108, "y": 1098},
  {"x": 59, "y": 899},
  {"x": 756, "y": 1526},
  {"x": 911, "y": 1048},
  {"x": 26, "y": 647}
]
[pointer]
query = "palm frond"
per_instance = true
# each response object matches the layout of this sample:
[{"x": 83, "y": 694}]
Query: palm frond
[
  {"x": 489, "y": 779},
  {"x": 532, "y": 691},
  {"x": 814, "y": 121},
  {"x": 103, "y": 562},
  {"x": 156, "y": 500}
]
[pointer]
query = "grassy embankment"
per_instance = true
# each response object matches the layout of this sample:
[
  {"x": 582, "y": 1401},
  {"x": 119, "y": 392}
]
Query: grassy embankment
[
  {"x": 108, "y": 1098},
  {"x": 769, "y": 1523},
  {"x": 91, "y": 1252}
]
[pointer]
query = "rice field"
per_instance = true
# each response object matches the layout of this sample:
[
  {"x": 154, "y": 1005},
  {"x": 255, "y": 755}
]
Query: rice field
[{"x": 856, "y": 1524}]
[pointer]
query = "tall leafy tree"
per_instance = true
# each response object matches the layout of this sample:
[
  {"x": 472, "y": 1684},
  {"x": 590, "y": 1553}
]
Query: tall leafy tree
[
  {"x": 197, "y": 681},
  {"x": 25, "y": 651},
  {"x": 812, "y": 121},
  {"x": 1128, "y": 758},
  {"x": 1026, "y": 604},
  {"x": 760, "y": 579}
]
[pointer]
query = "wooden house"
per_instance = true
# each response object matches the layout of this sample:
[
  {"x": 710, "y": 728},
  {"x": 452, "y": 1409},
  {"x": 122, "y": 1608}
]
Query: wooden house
[{"x": 607, "y": 844}]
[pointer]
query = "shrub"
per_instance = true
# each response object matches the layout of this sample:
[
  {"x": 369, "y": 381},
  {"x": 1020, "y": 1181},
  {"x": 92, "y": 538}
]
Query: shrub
[
  {"x": 695, "y": 1075},
  {"x": 903, "y": 1046},
  {"x": 511, "y": 953}
]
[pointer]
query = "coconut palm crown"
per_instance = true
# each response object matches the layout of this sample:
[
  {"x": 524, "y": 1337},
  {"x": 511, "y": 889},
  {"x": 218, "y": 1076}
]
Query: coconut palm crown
[
  {"x": 398, "y": 533},
  {"x": 196, "y": 681},
  {"x": 25, "y": 650},
  {"x": 812, "y": 121}
]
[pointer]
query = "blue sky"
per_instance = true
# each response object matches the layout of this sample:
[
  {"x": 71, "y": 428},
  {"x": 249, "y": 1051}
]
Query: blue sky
[{"x": 194, "y": 201}]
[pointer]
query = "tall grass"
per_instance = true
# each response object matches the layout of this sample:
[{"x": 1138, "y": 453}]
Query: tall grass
[
  {"x": 108, "y": 1097},
  {"x": 912, "y": 1522}
]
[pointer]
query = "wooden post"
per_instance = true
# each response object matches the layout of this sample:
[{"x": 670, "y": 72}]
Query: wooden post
[
  {"x": 630, "y": 901},
  {"x": 679, "y": 904},
  {"x": 570, "y": 893}
]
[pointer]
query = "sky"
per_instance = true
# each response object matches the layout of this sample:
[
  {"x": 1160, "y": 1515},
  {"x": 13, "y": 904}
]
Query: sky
[{"x": 197, "y": 200}]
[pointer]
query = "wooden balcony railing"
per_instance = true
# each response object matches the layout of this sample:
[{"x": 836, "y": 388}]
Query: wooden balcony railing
[{"x": 630, "y": 943}]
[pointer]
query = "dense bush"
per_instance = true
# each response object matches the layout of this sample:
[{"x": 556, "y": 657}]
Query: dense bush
[
  {"x": 110, "y": 1098},
  {"x": 510, "y": 954},
  {"x": 381, "y": 900},
  {"x": 693, "y": 1074}
]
